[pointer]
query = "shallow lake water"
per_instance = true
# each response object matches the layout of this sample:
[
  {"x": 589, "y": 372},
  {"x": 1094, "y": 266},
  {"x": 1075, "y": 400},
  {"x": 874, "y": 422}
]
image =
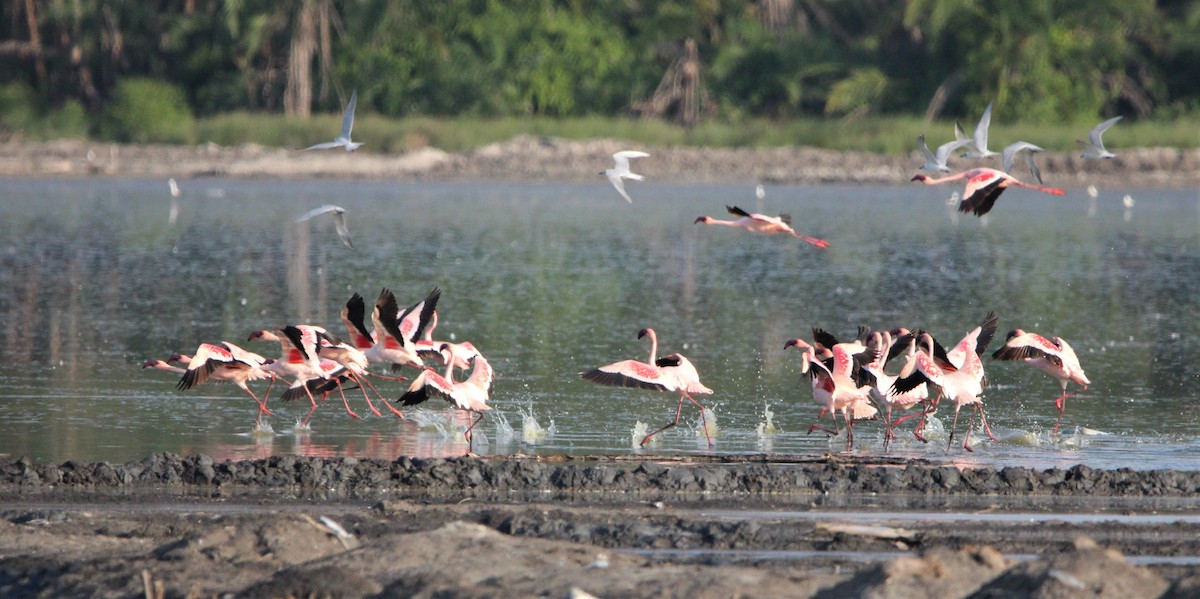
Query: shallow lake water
[{"x": 549, "y": 280}]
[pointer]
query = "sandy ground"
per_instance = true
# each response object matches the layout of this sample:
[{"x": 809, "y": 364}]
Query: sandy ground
[
  {"x": 527, "y": 158},
  {"x": 752, "y": 526}
]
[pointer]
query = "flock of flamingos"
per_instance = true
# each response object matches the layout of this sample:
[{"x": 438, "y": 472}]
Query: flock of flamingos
[{"x": 849, "y": 378}]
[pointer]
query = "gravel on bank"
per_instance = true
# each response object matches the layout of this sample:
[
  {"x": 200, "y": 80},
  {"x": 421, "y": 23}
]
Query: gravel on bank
[{"x": 528, "y": 158}]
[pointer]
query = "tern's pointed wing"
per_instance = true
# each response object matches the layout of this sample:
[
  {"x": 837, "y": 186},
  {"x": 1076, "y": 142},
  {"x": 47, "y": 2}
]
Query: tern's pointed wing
[
  {"x": 1095, "y": 134},
  {"x": 1033, "y": 167},
  {"x": 943, "y": 151},
  {"x": 339, "y": 220},
  {"x": 925, "y": 149},
  {"x": 981, "y": 130},
  {"x": 619, "y": 183},
  {"x": 959, "y": 134},
  {"x": 348, "y": 117},
  {"x": 329, "y": 144},
  {"x": 315, "y": 212}
]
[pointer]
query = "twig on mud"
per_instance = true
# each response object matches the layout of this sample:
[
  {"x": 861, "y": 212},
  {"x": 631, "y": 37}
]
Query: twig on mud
[{"x": 152, "y": 588}]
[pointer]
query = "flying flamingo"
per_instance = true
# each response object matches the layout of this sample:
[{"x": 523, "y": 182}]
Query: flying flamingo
[
  {"x": 1052, "y": 356},
  {"x": 761, "y": 223},
  {"x": 957, "y": 374},
  {"x": 224, "y": 362},
  {"x": 301, "y": 361},
  {"x": 669, "y": 373},
  {"x": 984, "y": 185},
  {"x": 429, "y": 349},
  {"x": 396, "y": 332},
  {"x": 470, "y": 395}
]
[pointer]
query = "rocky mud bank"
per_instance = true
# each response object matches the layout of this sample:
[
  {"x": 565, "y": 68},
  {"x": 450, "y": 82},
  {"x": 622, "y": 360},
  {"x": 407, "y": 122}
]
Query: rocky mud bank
[
  {"x": 527, "y": 158},
  {"x": 631, "y": 526}
]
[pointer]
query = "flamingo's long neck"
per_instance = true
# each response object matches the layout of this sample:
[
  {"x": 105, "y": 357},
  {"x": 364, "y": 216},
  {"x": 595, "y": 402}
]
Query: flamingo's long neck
[
  {"x": 449, "y": 376},
  {"x": 653, "y": 346}
]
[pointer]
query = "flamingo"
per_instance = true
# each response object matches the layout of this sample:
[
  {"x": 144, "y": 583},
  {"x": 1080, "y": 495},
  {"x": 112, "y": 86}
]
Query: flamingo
[
  {"x": 669, "y": 373},
  {"x": 1030, "y": 150},
  {"x": 957, "y": 374},
  {"x": 224, "y": 362},
  {"x": 984, "y": 185},
  {"x": 301, "y": 361},
  {"x": 886, "y": 344},
  {"x": 977, "y": 144},
  {"x": 430, "y": 350},
  {"x": 470, "y": 395},
  {"x": 339, "y": 220},
  {"x": 937, "y": 162},
  {"x": 1094, "y": 146},
  {"x": 343, "y": 140},
  {"x": 838, "y": 384},
  {"x": 396, "y": 332},
  {"x": 761, "y": 223},
  {"x": 165, "y": 365},
  {"x": 1053, "y": 356},
  {"x": 620, "y": 171}
]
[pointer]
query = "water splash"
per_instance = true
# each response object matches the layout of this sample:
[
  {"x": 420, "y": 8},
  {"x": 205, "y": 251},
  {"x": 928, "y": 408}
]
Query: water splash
[
  {"x": 262, "y": 428},
  {"x": 504, "y": 430},
  {"x": 767, "y": 426},
  {"x": 640, "y": 429},
  {"x": 301, "y": 427},
  {"x": 709, "y": 421},
  {"x": 532, "y": 432},
  {"x": 429, "y": 421}
]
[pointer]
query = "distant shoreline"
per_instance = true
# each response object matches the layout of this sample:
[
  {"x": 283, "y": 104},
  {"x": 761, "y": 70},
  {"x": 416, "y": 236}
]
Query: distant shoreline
[{"x": 529, "y": 158}]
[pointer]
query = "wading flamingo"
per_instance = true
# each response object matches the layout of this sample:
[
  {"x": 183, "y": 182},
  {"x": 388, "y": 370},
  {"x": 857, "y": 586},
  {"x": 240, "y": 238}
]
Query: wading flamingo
[
  {"x": 670, "y": 373},
  {"x": 225, "y": 362},
  {"x": 470, "y": 395},
  {"x": 984, "y": 185},
  {"x": 1052, "y": 356},
  {"x": 761, "y": 223},
  {"x": 838, "y": 384}
]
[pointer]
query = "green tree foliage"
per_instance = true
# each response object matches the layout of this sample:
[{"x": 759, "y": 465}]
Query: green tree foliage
[
  {"x": 1040, "y": 60},
  {"x": 144, "y": 110}
]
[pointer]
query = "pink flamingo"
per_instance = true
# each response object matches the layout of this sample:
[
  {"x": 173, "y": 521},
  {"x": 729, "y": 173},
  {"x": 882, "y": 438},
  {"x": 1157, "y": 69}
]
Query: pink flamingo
[
  {"x": 670, "y": 373},
  {"x": 397, "y": 332},
  {"x": 470, "y": 395},
  {"x": 837, "y": 383},
  {"x": 301, "y": 361},
  {"x": 984, "y": 186},
  {"x": 224, "y": 362},
  {"x": 885, "y": 343},
  {"x": 429, "y": 349},
  {"x": 761, "y": 223},
  {"x": 957, "y": 374},
  {"x": 1052, "y": 356}
]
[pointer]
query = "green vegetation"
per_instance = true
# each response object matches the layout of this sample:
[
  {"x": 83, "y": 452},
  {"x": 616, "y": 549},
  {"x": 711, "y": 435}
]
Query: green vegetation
[{"x": 856, "y": 74}]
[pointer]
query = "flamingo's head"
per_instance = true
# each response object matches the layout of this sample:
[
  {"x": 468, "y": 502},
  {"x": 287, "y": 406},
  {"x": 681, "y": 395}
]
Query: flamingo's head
[
  {"x": 702, "y": 219},
  {"x": 260, "y": 334},
  {"x": 174, "y": 358},
  {"x": 1014, "y": 333},
  {"x": 919, "y": 177},
  {"x": 644, "y": 332},
  {"x": 796, "y": 343},
  {"x": 150, "y": 363}
]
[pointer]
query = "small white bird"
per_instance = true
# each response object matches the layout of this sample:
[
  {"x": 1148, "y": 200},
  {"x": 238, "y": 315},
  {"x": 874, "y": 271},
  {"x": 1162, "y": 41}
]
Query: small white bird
[
  {"x": 620, "y": 171},
  {"x": 175, "y": 193},
  {"x": 1029, "y": 150},
  {"x": 977, "y": 144},
  {"x": 343, "y": 140},
  {"x": 339, "y": 220},
  {"x": 1094, "y": 147},
  {"x": 937, "y": 162}
]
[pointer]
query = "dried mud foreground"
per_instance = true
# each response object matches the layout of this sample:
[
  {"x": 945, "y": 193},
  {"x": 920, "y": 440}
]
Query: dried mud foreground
[{"x": 821, "y": 526}]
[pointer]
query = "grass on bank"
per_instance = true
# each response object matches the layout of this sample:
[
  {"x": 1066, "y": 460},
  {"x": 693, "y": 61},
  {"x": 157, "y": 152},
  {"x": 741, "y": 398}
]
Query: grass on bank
[{"x": 888, "y": 135}]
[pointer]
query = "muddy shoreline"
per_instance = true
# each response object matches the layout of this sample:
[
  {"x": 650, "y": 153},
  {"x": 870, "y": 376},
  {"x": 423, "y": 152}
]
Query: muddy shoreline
[
  {"x": 798, "y": 526},
  {"x": 527, "y": 158}
]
